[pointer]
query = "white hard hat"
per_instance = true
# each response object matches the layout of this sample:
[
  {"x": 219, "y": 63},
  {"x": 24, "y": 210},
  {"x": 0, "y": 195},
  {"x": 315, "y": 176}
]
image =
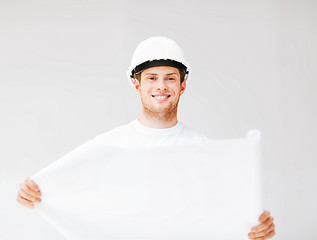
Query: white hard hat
[{"x": 157, "y": 51}]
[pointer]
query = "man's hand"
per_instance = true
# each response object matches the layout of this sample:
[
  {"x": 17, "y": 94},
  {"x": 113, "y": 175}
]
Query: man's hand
[
  {"x": 266, "y": 228},
  {"x": 28, "y": 194}
]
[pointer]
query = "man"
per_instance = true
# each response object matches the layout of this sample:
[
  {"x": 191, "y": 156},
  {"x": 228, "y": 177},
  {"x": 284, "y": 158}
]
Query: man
[{"x": 158, "y": 72}]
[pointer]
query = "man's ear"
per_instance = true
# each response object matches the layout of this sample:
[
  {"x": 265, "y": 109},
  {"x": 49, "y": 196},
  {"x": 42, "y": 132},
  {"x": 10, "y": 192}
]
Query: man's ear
[
  {"x": 183, "y": 87},
  {"x": 137, "y": 85}
]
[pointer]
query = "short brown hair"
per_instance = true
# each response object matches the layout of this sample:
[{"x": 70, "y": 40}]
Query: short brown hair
[{"x": 181, "y": 73}]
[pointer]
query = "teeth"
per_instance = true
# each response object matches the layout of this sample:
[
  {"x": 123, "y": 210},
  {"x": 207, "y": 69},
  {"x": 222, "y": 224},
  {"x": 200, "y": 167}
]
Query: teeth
[{"x": 160, "y": 97}]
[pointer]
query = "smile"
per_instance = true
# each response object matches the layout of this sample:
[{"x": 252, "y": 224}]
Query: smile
[{"x": 161, "y": 97}]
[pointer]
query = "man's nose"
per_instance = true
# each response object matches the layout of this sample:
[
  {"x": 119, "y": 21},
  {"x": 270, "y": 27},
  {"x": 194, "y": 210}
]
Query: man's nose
[{"x": 161, "y": 84}]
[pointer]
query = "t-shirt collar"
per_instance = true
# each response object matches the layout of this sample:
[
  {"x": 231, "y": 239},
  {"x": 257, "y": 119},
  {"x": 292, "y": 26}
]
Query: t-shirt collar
[{"x": 175, "y": 128}]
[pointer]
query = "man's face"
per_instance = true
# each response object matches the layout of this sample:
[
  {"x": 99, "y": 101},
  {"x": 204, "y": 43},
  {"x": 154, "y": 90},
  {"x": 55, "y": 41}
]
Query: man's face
[{"x": 160, "y": 90}]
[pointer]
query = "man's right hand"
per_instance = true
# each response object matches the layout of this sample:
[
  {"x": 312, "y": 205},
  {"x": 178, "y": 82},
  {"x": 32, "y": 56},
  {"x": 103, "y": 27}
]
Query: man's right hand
[{"x": 29, "y": 194}]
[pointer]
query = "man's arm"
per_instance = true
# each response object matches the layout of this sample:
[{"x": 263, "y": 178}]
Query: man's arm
[
  {"x": 29, "y": 194},
  {"x": 266, "y": 228}
]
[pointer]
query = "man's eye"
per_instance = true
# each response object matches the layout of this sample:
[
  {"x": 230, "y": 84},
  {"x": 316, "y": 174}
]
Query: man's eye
[
  {"x": 170, "y": 78},
  {"x": 151, "y": 78}
]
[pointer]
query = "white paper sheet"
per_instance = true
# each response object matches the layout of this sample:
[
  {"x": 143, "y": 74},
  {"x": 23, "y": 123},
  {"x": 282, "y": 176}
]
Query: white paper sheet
[{"x": 210, "y": 191}]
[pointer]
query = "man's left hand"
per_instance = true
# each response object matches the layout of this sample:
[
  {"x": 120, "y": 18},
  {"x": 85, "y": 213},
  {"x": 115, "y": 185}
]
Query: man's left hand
[{"x": 266, "y": 228}]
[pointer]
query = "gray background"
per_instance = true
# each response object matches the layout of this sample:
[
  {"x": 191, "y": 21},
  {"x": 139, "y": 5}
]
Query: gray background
[{"x": 63, "y": 81}]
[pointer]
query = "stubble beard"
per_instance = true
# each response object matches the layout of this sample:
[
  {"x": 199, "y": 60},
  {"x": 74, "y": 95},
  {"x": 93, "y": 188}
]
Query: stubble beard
[{"x": 167, "y": 114}]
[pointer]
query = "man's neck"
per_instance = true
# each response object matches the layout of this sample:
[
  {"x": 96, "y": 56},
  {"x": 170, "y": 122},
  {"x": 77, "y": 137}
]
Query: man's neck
[{"x": 156, "y": 122}]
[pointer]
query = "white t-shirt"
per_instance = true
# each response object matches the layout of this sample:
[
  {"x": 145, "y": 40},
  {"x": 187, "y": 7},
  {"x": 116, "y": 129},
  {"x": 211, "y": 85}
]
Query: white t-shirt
[{"x": 136, "y": 135}]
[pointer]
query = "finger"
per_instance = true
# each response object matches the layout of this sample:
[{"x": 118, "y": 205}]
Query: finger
[
  {"x": 269, "y": 235},
  {"x": 32, "y": 185},
  {"x": 30, "y": 191},
  {"x": 28, "y": 196},
  {"x": 265, "y": 215},
  {"x": 25, "y": 202},
  {"x": 265, "y": 232},
  {"x": 263, "y": 225}
]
